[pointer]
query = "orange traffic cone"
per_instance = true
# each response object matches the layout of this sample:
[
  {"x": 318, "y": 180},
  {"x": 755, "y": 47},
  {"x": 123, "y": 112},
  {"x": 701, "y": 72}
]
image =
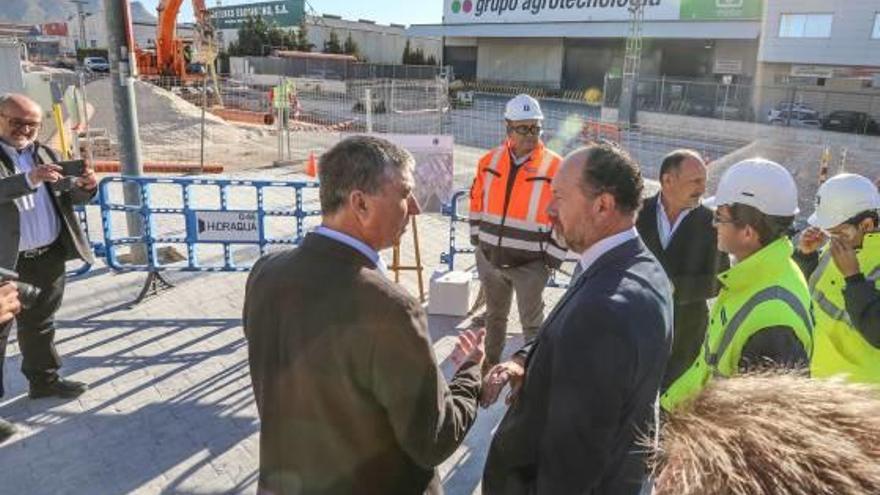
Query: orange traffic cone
[{"x": 312, "y": 166}]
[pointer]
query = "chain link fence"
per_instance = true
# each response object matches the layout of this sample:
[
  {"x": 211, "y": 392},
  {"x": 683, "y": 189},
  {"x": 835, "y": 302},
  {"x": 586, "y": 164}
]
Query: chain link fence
[{"x": 845, "y": 111}]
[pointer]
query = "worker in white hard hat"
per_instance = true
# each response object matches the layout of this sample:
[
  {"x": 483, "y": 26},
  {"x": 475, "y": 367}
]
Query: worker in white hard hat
[
  {"x": 762, "y": 316},
  {"x": 510, "y": 228},
  {"x": 840, "y": 252}
]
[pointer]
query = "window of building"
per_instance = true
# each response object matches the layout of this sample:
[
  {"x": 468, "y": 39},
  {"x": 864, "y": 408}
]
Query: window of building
[
  {"x": 876, "y": 34},
  {"x": 805, "y": 25}
]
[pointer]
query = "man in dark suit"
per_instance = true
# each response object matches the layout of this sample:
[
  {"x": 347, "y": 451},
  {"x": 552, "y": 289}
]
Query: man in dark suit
[
  {"x": 678, "y": 230},
  {"x": 585, "y": 390},
  {"x": 38, "y": 233},
  {"x": 346, "y": 382}
]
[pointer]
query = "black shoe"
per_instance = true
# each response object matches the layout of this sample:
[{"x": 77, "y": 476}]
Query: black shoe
[
  {"x": 66, "y": 389},
  {"x": 7, "y": 429}
]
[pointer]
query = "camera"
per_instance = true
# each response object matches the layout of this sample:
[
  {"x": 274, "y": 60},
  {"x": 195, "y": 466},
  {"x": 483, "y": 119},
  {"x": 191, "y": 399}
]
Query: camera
[{"x": 27, "y": 293}]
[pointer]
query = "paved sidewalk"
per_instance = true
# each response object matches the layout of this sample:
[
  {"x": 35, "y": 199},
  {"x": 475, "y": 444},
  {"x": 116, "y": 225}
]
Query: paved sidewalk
[{"x": 171, "y": 408}]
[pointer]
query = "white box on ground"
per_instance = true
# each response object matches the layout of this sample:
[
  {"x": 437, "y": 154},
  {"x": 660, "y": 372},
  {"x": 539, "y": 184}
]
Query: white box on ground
[{"x": 450, "y": 293}]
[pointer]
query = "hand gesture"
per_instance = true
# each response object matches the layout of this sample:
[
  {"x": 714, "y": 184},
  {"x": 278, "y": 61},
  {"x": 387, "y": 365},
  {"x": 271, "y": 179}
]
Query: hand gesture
[
  {"x": 469, "y": 348},
  {"x": 845, "y": 258},
  {"x": 47, "y": 172},
  {"x": 511, "y": 372},
  {"x": 811, "y": 240},
  {"x": 9, "y": 304},
  {"x": 88, "y": 181}
]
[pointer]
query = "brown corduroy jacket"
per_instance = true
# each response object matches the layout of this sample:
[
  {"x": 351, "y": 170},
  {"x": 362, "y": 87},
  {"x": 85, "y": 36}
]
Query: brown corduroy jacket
[{"x": 345, "y": 378}]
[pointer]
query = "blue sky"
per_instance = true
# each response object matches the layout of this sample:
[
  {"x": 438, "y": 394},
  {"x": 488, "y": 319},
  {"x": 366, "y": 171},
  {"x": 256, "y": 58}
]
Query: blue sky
[{"x": 382, "y": 11}]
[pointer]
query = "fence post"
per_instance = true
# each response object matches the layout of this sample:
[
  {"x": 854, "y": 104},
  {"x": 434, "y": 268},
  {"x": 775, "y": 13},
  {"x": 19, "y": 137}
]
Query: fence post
[
  {"x": 368, "y": 106},
  {"x": 662, "y": 90},
  {"x": 202, "y": 138}
]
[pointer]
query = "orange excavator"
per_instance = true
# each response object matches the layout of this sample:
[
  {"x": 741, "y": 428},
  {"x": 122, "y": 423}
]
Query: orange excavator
[{"x": 170, "y": 57}]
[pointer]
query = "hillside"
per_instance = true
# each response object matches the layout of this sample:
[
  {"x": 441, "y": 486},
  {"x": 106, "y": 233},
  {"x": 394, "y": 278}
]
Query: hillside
[{"x": 40, "y": 11}]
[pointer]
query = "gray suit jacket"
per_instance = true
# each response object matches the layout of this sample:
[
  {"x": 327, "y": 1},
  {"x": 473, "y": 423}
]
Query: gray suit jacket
[{"x": 13, "y": 186}]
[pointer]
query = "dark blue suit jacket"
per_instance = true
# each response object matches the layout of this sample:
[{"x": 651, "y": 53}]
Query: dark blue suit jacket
[{"x": 592, "y": 377}]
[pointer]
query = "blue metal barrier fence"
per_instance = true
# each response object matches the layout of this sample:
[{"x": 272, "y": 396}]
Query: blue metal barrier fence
[{"x": 226, "y": 225}]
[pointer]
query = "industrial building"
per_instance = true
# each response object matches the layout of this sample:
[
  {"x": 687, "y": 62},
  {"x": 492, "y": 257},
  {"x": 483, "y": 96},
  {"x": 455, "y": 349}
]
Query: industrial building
[
  {"x": 820, "y": 43},
  {"x": 377, "y": 43},
  {"x": 572, "y": 44}
]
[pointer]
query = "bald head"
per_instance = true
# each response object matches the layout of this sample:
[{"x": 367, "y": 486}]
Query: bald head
[{"x": 20, "y": 120}]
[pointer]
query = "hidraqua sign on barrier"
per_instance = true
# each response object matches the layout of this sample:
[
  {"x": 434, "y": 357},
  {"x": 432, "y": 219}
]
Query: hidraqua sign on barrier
[{"x": 223, "y": 226}]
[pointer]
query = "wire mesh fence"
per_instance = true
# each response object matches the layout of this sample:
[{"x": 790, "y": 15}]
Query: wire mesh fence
[{"x": 845, "y": 111}]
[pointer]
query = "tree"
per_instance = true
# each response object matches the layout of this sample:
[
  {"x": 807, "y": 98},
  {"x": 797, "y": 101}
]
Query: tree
[
  {"x": 350, "y": 47},
  {"x": 256, "y": 38},
  {"x": 332, "y": 45},
  {"x": 406, "y": 53},
  {"x": 302, "y": 38}
]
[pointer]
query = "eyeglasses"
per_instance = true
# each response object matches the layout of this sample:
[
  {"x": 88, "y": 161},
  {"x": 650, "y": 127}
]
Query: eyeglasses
[
  {"x": 21, "y": 124},
  {"x": 525, "y": 130},
  {"x": 717, "y": 219}
]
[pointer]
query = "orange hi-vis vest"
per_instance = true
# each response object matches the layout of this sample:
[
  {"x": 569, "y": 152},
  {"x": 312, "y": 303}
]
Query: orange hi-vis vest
[{"x": 508, "y": 208}]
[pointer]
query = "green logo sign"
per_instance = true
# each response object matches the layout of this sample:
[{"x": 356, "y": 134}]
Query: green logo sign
[
  {"x": 721, "y": 9},
  {"x": 283, "y": 13}
]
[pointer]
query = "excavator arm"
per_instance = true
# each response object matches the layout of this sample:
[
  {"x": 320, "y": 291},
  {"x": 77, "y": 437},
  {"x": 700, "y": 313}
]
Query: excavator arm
[{"x": 169, "y": 48}]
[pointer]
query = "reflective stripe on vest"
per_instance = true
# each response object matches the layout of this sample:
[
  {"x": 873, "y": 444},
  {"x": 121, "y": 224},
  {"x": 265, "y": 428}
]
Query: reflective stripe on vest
[
  {"x": 820, "y": 270},
  {"x": 537, "y": 190},
  {"x": 527, "y": 225},
  {"x": 775, "y": 292},
  {"x": 822, "y": 301},
  {"x": 509, "y": 242},
  {"x": 493, "y": 166}
]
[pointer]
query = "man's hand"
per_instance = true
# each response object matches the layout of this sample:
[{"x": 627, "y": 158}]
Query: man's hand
[
  {"x": 470, "y": 348},
  {"x": 88, "y": 181},
  {"x": 810, "y": 240},
  {"x": 500, "y": 375},
  {"x": 845, "y": 258},
  {"x": 9, "y": 304},
  {"x": 47, "y": 172}
]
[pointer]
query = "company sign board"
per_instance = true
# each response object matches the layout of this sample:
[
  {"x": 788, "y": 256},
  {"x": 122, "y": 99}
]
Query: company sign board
[
  {"x": 530, "y": 11},
  {"x": 283, "y": 13},
  {"x": 223, "y": 226},
  {"x": 721, "y": 9}
]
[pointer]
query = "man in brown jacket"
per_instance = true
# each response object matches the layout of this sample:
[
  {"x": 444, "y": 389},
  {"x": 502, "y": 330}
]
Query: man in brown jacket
[{"x": 345, "y": 378}]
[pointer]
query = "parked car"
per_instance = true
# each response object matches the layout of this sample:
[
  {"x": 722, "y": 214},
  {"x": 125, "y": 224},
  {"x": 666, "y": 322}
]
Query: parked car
[
  {"x": 96, "y": 64},
  {"x": 797, "y": 118},
  {"x": 849, "y": 121}
]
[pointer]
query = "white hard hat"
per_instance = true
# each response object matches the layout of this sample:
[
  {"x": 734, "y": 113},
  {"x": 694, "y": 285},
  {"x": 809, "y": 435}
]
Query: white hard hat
[
  {"x": 758, "y": 183},
  {"x": 523, "y": 107},
  {"x": 843, "y": 197}
]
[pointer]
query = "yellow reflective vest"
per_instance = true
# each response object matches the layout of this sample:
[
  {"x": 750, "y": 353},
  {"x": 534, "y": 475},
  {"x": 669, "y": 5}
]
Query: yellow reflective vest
[
  {"x": 840, "y": 349},
  {"x": 765, "y": 290}
]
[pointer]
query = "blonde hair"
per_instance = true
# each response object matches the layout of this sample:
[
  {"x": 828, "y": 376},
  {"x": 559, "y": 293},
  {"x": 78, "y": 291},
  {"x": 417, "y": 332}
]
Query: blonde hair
[{"x": 772, "y": 433}]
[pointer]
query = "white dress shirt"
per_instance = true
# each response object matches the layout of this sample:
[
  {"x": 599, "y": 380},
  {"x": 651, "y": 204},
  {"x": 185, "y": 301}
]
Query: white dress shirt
[
  {"x": 40, "y": 223},
  {"x": 356, "y": 244},
  {"x": 595, "y": 251},
  {"x": 664, "y": 229}
]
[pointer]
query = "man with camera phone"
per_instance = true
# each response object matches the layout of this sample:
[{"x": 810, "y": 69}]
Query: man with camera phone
[{"x": 40, "y": 233}]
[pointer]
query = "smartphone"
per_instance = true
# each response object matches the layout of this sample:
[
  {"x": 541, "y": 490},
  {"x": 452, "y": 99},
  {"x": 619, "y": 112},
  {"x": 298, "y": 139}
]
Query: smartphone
[{"x": 72, "y": 168}]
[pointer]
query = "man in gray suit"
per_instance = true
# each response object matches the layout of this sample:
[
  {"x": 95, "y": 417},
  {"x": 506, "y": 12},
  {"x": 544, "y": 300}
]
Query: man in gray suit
[
  {"x": 345, "y": 379},
  {"x": 39, "y": 233}
]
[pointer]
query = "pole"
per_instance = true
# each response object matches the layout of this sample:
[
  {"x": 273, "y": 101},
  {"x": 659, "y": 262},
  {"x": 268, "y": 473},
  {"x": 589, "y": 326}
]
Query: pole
[
  {"x": 121, "y": 47},
  {"x": 202, "y": 139}
]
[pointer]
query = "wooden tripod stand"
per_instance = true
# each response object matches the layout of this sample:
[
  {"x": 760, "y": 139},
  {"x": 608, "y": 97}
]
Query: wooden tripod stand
[{"x": 396, "y": 267}]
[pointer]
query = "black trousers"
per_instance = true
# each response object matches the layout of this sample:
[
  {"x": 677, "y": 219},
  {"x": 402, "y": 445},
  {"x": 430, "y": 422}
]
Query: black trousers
[{"x": 36, "y": 324}]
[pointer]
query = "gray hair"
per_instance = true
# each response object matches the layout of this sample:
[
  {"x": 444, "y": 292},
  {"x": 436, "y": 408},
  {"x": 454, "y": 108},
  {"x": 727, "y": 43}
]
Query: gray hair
[{"x": 359, "y": 163}]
